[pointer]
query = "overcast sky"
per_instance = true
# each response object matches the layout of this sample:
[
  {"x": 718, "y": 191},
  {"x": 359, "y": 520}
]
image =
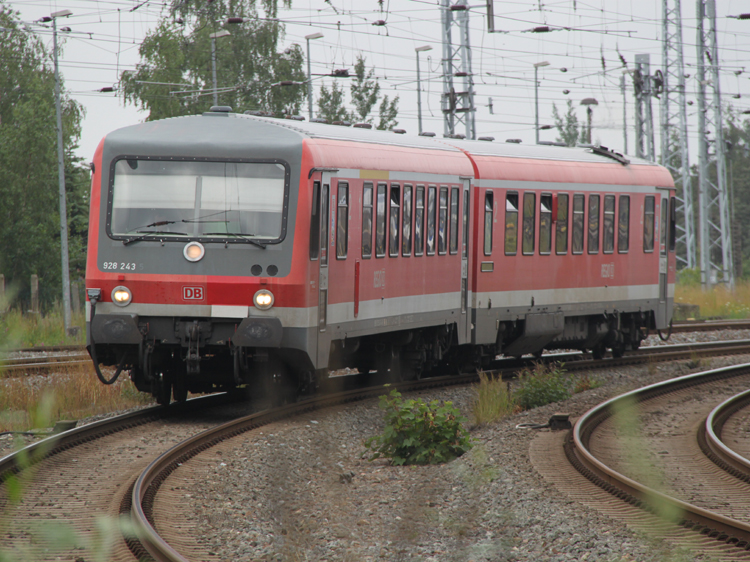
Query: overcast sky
[{"x": 587, "y": 39}]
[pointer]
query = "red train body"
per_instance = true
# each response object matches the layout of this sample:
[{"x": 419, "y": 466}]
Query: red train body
[{"x": 375, "y": 251}]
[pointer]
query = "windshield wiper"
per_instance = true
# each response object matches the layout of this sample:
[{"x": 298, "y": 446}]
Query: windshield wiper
[
  {"x": 146, "y": 233},
  {"x": 243, "y": 236}
]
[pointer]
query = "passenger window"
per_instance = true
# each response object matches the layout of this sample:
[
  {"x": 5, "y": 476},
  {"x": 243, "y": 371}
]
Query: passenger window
[
  {"x": 443, "y": 222},
  {"x": 545, "y": 224},
  {"x": 578, "y": 222},
  {"x": 561, "y": 231},
  {"x": 465, "y": 241},
  {"x": 419, "y": 222},
  {"x": 367, "y": 221},
  {"x": 324, "y": 225},
  {"x": 672, "y": 223},
  {"x": 648, "y": 224},
  {"x": 608, "y": 244},
  {"x": 511, "y": 223},
  {"x": 395, "y": 220},
  {"x": 380, "y": 221},
  {"x": 406, "y": 224},
  {"x": 488, "y": 220},
  {"x": 315, "y": 222},
  {"x": 593, "y": 224},
  {"x": 663, "y": 233},
  {"x": 454, "y": 221},
  {"x": 529, "y": 210},
  {"x": 431, "y": 193},
  {"x": 342, "y": 222},
  {"x": 623, "y": 225}
]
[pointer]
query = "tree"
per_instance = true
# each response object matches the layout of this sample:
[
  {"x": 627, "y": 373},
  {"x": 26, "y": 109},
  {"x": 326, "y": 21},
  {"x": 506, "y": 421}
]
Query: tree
[
  {"x": 29, "y": 205},
  {"x": 331, "y": 104},
  {"x": 365, "y": 94},
  {"x": 567, "y": 126},
  {"x": 248, "y": 63}
]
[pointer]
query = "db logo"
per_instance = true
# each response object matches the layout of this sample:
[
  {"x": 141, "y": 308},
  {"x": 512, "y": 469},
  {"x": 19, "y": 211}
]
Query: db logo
[{"x": 192, "y": 293}]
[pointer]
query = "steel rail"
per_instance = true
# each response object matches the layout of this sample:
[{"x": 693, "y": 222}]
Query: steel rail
[
  {"x": 709, "y": 437},
  {"x": 701, "y": 520}
]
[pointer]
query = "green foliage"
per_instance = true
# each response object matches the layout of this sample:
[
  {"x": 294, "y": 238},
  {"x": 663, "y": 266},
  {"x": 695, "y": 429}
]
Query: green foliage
[
  {"x": 419, "y": 433},
  {"x": 567, "y": 126},
  {"x": 178, "y": 51},
  {"x": 365, "y": 92},
  {"x": 331, "y": 103},
  {"x": 492, "y": 400},
  {"x": 29, "y": 207},
  {"x": 542, "y": 385}
]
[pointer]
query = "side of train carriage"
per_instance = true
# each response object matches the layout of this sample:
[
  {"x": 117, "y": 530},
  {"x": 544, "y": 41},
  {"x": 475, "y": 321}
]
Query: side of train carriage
[{"x": 229, "y": 249}]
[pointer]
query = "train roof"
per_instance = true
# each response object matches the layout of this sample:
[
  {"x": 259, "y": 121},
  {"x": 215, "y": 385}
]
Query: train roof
[{"x": 188, "y": 136}]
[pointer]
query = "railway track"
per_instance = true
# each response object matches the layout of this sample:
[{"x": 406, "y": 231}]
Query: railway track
[
  {"x": 690, "y": 490},
  {"x": 134, "y": 483}
]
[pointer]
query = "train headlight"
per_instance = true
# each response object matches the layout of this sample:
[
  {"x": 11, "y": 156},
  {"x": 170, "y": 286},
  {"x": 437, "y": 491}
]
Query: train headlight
[
  {"x": 194, "y": 251},
  {"x": 263, "y": 299},
  {"x": 121, "y": 296}
]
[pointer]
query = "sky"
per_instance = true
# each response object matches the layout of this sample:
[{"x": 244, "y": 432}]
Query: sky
[{"x": 584, "y": 51}]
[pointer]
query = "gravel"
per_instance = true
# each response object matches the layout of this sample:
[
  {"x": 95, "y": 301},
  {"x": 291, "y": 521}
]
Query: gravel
[{"x": 300, "y": 490}]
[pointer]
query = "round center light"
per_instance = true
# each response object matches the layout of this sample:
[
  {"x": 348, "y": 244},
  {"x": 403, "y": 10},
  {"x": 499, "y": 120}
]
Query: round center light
[
  {"x": 263, "y": 299},
  {"x": 194, "y": 251},
  {"x": 121, "y": 296}
]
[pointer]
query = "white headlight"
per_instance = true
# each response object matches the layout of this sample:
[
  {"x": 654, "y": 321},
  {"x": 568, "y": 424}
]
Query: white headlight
[
  {"x": 263, "y": 299},
  {"x": 121, "y": 296},
  {"x": 193, "y": 251}
]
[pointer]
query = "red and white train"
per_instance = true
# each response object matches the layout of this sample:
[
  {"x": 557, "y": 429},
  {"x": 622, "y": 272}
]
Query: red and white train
[{"x": 229, "y": 249}]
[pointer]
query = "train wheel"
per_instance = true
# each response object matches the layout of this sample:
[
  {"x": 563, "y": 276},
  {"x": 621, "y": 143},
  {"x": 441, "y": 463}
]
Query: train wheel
[
  {"x": 598, "y": 351},
  {"x": 179, "y": 389},
  {"x": 162, "y": 389}
]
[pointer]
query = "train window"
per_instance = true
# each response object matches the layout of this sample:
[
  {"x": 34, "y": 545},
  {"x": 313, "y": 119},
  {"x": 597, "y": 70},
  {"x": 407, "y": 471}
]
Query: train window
[
  {"x": 419, "y": 221},
  {"x": 380, "y": 220},
  {"x": 454, "y": 221},
  {"x": 545, "y": 224},
  {"x": 648, "y": 224},
  {"x": 406, "y": 222},
  {"x": 608, "y": 243},
  {"x": 663, "y": 233},
  {"x": 578, "y": 209},
  {"x": 672, "y": 223},
  {"x": 315, "y": 222},
  {"x": 324, "y": 200},
  {"x": 529, "y": 212},
  {"x": 367, "y": 221},
  {"x": 561, "y": 233},
  {"x": 488, "y": 220},
  {"x": 342, "y": 221},
  {"x": 393, "y": 230},
  {"x": 623, "y": 225},
  {"x": 511, "y": 223},
  {"x": 431, "y": 192},
  {"x": 465, "y": 241},
  {"x": 443, "y": 221},
  {"x": 593, "y": 224}
]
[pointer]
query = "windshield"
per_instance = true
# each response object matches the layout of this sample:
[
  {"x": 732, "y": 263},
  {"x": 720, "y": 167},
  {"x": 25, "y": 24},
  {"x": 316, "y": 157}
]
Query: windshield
[{"x": 193, "y": 199}]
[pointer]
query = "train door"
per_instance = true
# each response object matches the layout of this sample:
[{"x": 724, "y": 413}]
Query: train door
[
  {"x": 464, "y": 328},
  {"x": 662, "y": 321}
]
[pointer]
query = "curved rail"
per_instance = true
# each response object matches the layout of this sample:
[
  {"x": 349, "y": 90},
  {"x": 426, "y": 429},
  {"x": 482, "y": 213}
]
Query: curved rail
[
  {"x": 713, "y": 446},
  {"x": 704, "y": 521}
]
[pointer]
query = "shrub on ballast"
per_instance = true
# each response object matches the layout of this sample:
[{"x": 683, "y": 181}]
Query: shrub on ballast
[
  {"x": 542, "y": 385},
  {"x": 418, "y": 433}
]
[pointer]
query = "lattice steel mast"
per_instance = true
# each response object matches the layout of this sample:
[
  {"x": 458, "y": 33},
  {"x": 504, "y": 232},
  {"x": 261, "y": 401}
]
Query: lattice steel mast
[
  {"x": 715, "y": 224},
  {"x": 674, "y": 133},
  {"x": 644, "y": 117},
  {"x": 458, "y": 107}
]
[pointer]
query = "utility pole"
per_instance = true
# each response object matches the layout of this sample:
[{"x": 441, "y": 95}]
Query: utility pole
[
  {"x": 644, "y": 118},
  {"x": 317, "y": 35},
  {"x": 624, "y": 114},
  {"x": 715, "y": 224},
  {"x": 675, "y": 157},
  {"x": 61, "y": 179},
  {"x": 214, "y": 37},
  {"x": 458, "y": 106}
]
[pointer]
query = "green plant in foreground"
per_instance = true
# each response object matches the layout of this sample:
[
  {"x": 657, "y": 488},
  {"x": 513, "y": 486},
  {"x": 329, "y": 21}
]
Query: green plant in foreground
[
  {"x": 419, "y": 433},
  {"x": 542, "y": 385},
  {"x": 493, "y": 401}
]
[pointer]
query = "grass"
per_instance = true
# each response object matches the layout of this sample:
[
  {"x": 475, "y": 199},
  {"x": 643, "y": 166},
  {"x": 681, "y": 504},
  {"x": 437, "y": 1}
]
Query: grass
[
  {"x": 492, "y": 401},
  {"x": 719, "y": 302},
  {"x": 74, "y": 393},
  {"x": 29, "y": 330}
]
